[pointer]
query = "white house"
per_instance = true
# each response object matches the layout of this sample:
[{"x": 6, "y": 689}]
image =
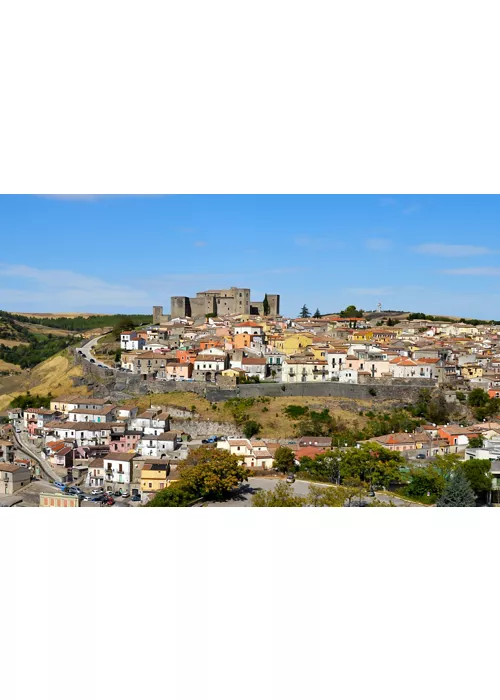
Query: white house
[
  {"x": 105, "y": 414},
  {"x": 248, "y": 327},
  {"x": 158, "y": 445},
  {"x": 118, "y": 471},
  {"x": 154, "y": 421},
  {"x": 255, "y": 366},
  {"x": 348, "y": 376},
  {"x": 129, "y": 340},
  {"x": 81, "y": 433},
  {"x": 304, "y": 368}
]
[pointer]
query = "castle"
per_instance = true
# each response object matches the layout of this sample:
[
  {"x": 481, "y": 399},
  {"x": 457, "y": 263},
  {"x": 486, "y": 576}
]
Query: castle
[{"x": 220, "y": 302}]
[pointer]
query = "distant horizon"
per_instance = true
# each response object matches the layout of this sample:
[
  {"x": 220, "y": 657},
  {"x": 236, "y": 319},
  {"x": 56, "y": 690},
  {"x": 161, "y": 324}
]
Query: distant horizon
[
  {"x": 126, "y": 254},
  {"x": 69, "y": 314}
]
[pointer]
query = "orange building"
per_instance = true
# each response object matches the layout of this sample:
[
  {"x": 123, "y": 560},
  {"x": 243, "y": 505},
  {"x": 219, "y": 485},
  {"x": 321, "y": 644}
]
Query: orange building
[
  {"x": 186, "y": 356},
  {"x": 242, "y": 340}
]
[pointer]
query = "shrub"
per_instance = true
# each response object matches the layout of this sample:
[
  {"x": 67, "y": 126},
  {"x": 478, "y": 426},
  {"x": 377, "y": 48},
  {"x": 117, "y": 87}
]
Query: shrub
[{"x": 372, "y": 391}]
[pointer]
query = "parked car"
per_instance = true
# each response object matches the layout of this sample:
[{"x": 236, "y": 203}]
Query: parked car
[
  {"x": 117, "y": 494},
  {"x": 109, "y": 501},
  {"x": 290, "y": 479},
  {"x": 59, "y": 485},
  {"x": 92, "y": 360},
  {"x": 97, "y": 492},
  {"x": 420, "y": 456},
  {"x": 136, "y": 498},
  {"x": 126, "y": 494}
]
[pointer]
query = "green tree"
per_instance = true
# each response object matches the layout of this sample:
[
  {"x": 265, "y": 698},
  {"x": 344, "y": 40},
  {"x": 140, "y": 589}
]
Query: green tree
[
  {"x": 326, "y": 497},
  {"x": 176, "y": 496},
  {"x": 282, "y": 496},
  {"x": 460, "y": 396},
  {"x": 304, "y": 312},
  {"x": 284, "y": 460},
  {"x": 265, "y": 306},
  {"x": 212, "y": 473},
  {"x": 427, "y": 480},
  {"x": 478, "y": 397},
  {"x": 351, "y": 312},
  {"x": 124, "y": 325},
  {"x": 317, "y": 314},
  {"x": 458, "y": 493},
  {"x": 476, "y": 441},
  {"x": 353, "y": 487},
  {"x": 251, "y": 428},
  {"x": 371, "y": 463},
  {"x": 478, "y": 474}
]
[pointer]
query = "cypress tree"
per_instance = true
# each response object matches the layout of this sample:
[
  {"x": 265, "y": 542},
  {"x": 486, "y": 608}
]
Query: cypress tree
[{"x": 458, "y": 493}]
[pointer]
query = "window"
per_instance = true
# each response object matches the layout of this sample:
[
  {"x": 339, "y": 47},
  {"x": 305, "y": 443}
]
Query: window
[{"x": 150, "y": 485}]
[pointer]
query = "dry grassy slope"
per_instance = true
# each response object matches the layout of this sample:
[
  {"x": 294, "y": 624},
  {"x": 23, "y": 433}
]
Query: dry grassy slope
[
  {"x": 54, "y": 375},
  {"x": 45, "y": 330},
  {"x": 274, "y": 422}
]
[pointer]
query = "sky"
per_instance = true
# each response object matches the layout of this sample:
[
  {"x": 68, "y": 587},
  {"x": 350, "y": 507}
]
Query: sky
[{"x": 125, "y": 253}]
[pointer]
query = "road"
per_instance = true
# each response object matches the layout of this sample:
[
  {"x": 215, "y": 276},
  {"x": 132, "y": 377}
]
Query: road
[
  {"x": 86, "y": 350},
  {"x": 244, "y": 496},
  {"x": 23, "y": 446}
]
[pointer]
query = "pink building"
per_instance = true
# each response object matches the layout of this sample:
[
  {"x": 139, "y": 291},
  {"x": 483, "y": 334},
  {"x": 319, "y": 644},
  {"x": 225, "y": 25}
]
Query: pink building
[{"x": 125, "y": 442}]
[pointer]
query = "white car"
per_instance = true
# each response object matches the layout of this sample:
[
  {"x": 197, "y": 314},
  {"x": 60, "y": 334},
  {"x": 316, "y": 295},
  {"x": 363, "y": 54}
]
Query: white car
[{"x": 97, "y": 492}]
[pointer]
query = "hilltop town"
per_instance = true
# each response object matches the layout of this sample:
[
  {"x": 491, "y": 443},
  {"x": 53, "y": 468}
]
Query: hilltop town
[{"x": 419, "y": 388}]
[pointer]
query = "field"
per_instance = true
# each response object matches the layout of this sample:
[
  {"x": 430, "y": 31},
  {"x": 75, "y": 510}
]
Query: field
[
  {"x": 54, "y": 375},
  {"x": 11, "y": 343},
  {"x": 8, "y": 367},
  {"x": 36, "y": 329},
  {"x": 274, "y": 422}
]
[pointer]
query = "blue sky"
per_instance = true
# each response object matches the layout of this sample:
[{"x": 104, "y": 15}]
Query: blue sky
[{"x": 94, "y": 253}]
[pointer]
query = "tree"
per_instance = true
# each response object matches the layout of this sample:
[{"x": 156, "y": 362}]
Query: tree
[
  {"x": 458, "y": 493},
  {"x": 251, "y": 428},
  {"x": 478, "y": 397},
  {"x": 282, "y": 496},
  {"x": 478, "y": 474},
  {"x": 351, "y": 312},
  {"x": 353, "y": 487},
  {"x": 476, "y": 441},
  {"x": 284, "y": 460},
  {"x": 426, "y": 481},
  {"x": 304, "y": 312},
  {"x": 211, "y": 473},
  {"x": 125, "y": 324},
  {"x": 265, "y": 306},
  {"x": 371, "y": 463},
  {"x": 173, "y": 497},
  {"x": 317, "y": 314},
  {"x": 326, "y": 497}
]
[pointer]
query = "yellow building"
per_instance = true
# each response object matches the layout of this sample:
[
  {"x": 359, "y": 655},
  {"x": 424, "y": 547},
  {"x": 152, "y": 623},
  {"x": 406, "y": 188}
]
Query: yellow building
[
  {"x": 292, "y": 343},
  {"x": 471, "y": 371},
  {"x": 59, "y": 500},
  {"x": 154, "y": 477},
  {"x": 362, "y": 335},
  {"x": 319, "y": 351}
]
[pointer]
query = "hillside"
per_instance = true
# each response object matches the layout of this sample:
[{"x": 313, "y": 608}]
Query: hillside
[{"x": 54, "y": 376}]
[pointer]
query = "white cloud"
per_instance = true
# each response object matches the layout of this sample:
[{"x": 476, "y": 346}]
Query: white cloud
[
  {"x": 76, "y": 197},
  {"x": 473, "y": 271},
  {"x": 64, "y": 288},
  {"x": 378, "y": 244},
  {"x": 317, "y": 243},
  {"x": 451, "y": 250},
  {"x": 412, "y": 208}
]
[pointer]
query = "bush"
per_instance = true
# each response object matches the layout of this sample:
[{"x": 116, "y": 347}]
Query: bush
[
  {"x": 295, "y": 411},
  {"x": 251, "y": 428},
  {"x": 372, "y": 391}
]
